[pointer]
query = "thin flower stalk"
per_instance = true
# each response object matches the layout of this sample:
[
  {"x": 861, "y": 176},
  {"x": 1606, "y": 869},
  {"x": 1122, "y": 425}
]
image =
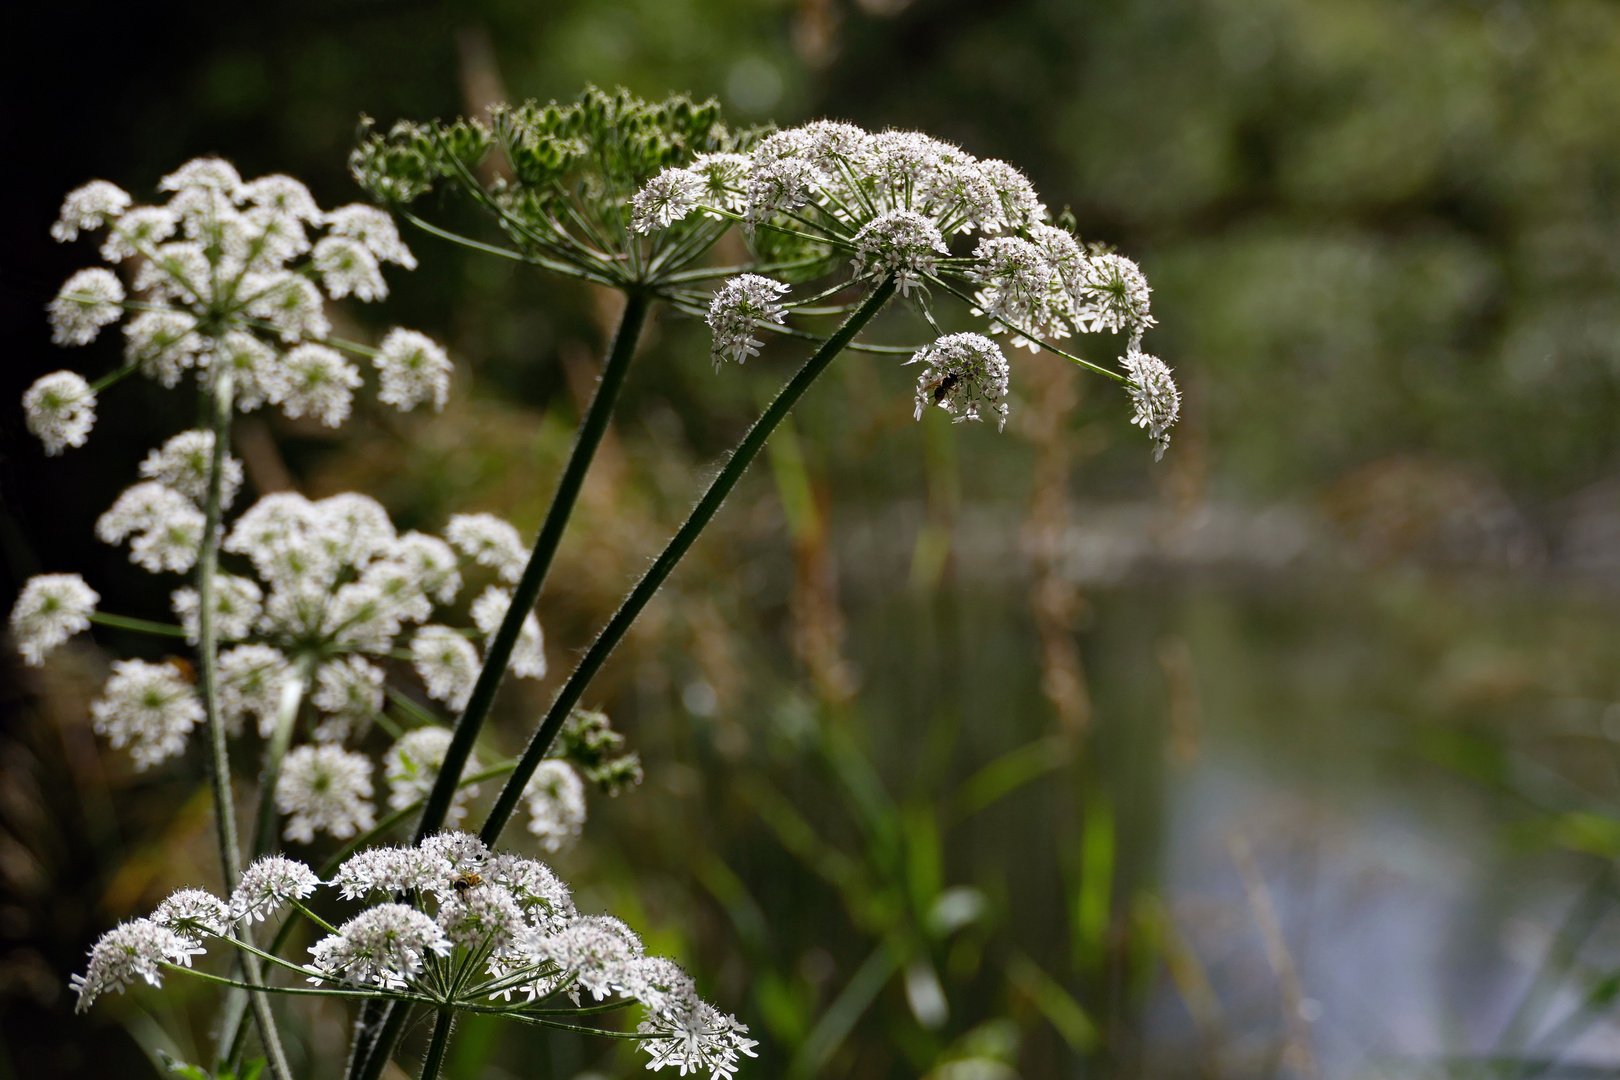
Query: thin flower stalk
[
  {"x": 592, "y": 427},
  {"x": 219, "y": 772},
  {"x": 672, "y": 554}
]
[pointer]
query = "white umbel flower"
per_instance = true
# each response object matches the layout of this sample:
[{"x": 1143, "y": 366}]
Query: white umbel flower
[
  {"x": 412, "y": 767},
  {"x": 50, "y": 609},
  {"x": 599, "y": 949},
  {"x": 1021, "y": 293},
  {"x": 87, "y": 208},
  {"x": 666, "y": 199},
  {"x": 386, "y": 946},
  {"x": 203, "y": 174},
  {"x": 962, "y": 374},
  {"x": 130, "y": 951},
  {"x": 194, "y": 913},
  {"x": 488, "y": 541},
  {"x": 166, "y": 527},
  {"x": 282, "y": 195},
  {"x": 87, "y": 301},
  {"x": 486, "y": 917},
  {"x": 324, "y": 788},
  {"x": 259, "y": 374},
  {"x": 148, "y": 707},
  {"x": 556, "y": 802},
  {"x": 320, "y": 383},
  {"x": 237, "y": 602},
  {"x": 60, "y": 409},
  {"x": 737, "y": 310},
  {"x": 164, "y": 343},
  {"x": 251, "y": 678},
  {"x": 385, "y": 870},
  {"x": 291, "y": 303},
  {"x": 695, "y": 1037},
  {"x": 529, "y": 654},
  {"x": 447, "y": 663},
  {"x": 347, "y": 266},
  {"x": 139, "y": 231},
  {"x": 1112, "y": 294},
  {"x": 373, "y": 228},
  {"x": 1155, "y": 396},
  {"x": 269, "y": 883},
  {"x": 431, "y": 562},
  {"x": 899, "y": 242},
  {"x": 414, "y": 370},
  {"x": 350, "y": 692},
  {"x": 184, "y": 464}
]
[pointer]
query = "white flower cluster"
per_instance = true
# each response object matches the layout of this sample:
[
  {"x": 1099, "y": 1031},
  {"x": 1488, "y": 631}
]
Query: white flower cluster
[
  {"x": 892, "y": 201},
  {"x": 736, "y": 311},
  {"x": 325, "y": 788},
  {"x": 555, "y": 795},
  {"x": 130, "y": 951},
  {"x": 469, "y": 908},
  {"x": 151, "y": 708},
  {"x": 412, "y": 766},
  {"x": 50, "y": 609},
  {"x": 517, "y": 916},
  {"x": 225, "y": 276},
  {"x": 1154, "y": 393},
  {"x": 963, "y": 373}
]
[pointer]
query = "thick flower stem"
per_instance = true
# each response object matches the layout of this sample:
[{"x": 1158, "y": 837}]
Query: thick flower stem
[
  {"x": 653, "y": 579},
  {"x": 591, "y": 429},
  {"x": 436, "y": 1047},
  {"x": 219, "y": 771},
  {"x": 367, "y": 1059},
  {"x": 391, "y": 1022}
]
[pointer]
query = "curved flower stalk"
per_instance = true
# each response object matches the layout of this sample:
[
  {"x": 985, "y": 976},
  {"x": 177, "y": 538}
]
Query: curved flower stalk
[
  {"x": 230, "y": 275},
  {"x": 893, "y": 204},
  {"x": 476, "y": 931}
]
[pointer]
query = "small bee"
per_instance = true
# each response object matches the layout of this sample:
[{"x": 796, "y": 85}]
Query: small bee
[
  {"x": 944, "y": 385},
  {"x": 466, "y": 883}
]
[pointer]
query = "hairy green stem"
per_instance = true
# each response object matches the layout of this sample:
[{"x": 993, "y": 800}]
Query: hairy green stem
[
  {"x": 653, "y": 579},
  {"x": 591, "y": 429},
  {"x": 219, "y": 771},
  {"x": 436, "y": 1047},
  {"x": 292, "y": 697}
]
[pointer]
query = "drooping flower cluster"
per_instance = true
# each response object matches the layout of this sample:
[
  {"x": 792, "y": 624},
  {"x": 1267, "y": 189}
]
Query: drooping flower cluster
[
  {"x": 738, "y": 308},
  {"x": 1153, "y": 391},
  {"x": 130, "y": 951},
  {"x": 228, "y": 275},
  {"x": 891, "y": 203}
]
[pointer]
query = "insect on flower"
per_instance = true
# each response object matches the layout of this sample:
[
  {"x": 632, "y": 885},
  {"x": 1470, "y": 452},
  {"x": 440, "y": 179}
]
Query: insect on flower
[
  {"x": 943, "y": 385},
  {"x": 465, "y": 883},
  {"x": 183, "y": 667}
]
